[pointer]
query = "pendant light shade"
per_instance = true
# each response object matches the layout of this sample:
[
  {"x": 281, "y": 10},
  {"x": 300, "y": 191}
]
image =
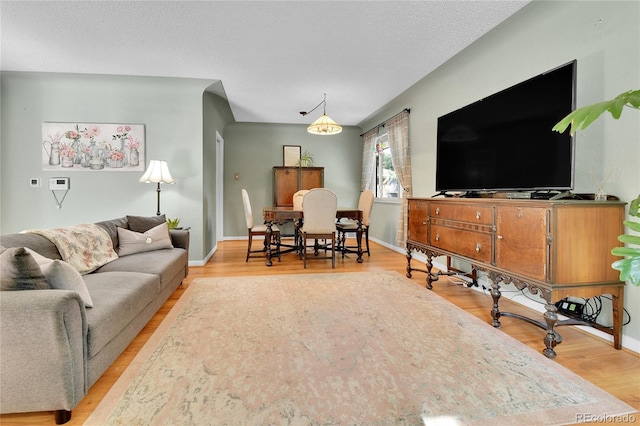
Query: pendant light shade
[{"x": 324, "y": 125}]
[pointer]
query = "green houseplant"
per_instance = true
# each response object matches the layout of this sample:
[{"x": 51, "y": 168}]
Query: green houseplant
[
  {"x": 306, "y": 159},
  {"x": 580, "y": 119},
  {"x": 173, "y": 223}
]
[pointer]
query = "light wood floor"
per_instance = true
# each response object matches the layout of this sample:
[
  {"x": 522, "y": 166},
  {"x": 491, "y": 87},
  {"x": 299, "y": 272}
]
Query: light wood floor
[{"x": 617, "y": 372}]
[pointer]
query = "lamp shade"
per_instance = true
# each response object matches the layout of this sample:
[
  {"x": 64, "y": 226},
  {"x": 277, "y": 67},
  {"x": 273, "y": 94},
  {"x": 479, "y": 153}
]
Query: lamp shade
[
  {"x": 157, "y": 172},
  {"x": 324, "y": 126}
]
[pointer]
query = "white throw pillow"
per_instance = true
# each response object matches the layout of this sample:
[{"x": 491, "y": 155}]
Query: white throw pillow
[
  {"x": 155, "y": 238},
  {"x": 63, "y": 276}
]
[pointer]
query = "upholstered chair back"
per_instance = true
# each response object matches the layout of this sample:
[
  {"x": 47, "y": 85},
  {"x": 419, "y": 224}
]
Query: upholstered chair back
[
  {"x": 247, "y": 208},
  {"x": 319, "y": 207},
  {"x": 366, "y": 204},
  {"x": 297, "y": 199}
]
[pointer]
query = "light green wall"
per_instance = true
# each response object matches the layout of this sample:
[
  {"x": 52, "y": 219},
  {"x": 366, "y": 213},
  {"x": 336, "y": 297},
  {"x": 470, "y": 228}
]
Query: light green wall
[
  {"x": 252, "y": 149},
  {"x": 216, "y": 115},
  {"x": 172, "y": 112},
  {"x": 603, "y": 36}
]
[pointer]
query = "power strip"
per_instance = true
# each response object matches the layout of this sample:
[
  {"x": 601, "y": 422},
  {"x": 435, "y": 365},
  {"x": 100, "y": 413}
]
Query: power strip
[{"x": 569, "y": 307}]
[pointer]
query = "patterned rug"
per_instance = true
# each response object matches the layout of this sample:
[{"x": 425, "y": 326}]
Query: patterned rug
[{"x": 339, "y": 349}]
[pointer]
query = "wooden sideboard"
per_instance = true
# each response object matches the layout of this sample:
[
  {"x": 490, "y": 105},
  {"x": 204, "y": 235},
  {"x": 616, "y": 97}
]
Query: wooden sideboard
[
  {"x": 288, "y": 180},
  {"x": 554, "y": 248}
]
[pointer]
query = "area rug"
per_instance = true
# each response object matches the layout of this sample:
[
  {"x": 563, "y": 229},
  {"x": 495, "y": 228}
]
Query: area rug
[{"x": 339, "y": 349}]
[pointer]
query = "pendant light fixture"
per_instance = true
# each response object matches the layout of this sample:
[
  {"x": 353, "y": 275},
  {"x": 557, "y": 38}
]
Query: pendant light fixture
[{"x": 323, "y": 125}]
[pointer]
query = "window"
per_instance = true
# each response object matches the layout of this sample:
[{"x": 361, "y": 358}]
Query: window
[{"x": 386, "y": 184}]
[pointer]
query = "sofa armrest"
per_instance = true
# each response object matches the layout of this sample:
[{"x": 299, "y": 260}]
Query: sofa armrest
[
  {"x": 44, "y": 356},
  {"x": 179, "y": 238}
]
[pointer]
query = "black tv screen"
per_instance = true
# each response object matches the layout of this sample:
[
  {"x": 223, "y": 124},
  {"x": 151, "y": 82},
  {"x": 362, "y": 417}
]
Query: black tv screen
[{"x": 505, "y": 143}]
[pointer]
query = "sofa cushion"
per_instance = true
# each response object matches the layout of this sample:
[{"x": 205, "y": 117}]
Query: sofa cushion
[
  {"x": 20, "y": 271},
  {"x": 144, "y": 223},
  {"x": 118, "y": 298},
  {"x": 155, "y": 238},
  {"x": 62, "y": 276},
  {"x": 111, "y": 226},
  {"x": 164, "y": 263},
  {"x": 35, "y": 242}
]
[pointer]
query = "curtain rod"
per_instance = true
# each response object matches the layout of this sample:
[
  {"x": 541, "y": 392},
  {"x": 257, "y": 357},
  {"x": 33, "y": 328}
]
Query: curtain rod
[{"x": 385, "y": 121}]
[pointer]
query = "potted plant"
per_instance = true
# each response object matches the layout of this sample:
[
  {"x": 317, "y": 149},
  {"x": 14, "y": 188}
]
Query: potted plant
[
  {"x": 173, "y": 223},
  {"x": 580, "y": 119},
  {"x": 306, "y": 159}
]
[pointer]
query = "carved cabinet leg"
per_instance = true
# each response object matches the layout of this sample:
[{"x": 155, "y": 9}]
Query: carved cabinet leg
[
  {"x": 495, "y": 295},
  {"x": 409, "y": 263},
  {"x": 431, "y": 277},
  {"x": 552, "y": 338}
]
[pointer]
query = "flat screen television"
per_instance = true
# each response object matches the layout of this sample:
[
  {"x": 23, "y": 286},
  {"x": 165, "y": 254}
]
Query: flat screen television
[{"x": 504, "y": 142}]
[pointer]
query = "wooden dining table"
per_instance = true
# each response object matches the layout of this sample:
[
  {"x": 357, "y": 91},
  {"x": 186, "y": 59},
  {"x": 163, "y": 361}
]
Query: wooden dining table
[{"x": 280, "y": 215}]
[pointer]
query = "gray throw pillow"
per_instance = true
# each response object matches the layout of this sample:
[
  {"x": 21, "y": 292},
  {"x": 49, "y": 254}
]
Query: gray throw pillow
[
  {"x": 20, "y": 271},
  {"x": 144, "y": 223},
  {"x": 134, "y": 242},
  {"x": 63, "y": 276}
]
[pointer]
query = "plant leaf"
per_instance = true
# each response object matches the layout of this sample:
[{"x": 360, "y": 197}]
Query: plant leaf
[
  {"x": 634, "y": 226},
  {"x": 634, "y": 207},
  {"x": 629, "y": 239},
  {"x": 629, "y": 270},
  {"x": 593, "y": 112},
  {"x": 582, "y": 117},
  {"x": 626, "y": 251}
]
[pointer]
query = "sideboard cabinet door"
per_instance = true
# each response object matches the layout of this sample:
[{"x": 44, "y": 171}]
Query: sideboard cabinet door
[
  {"x": 417, "y": 226},
  {"x": 522, "y": 240}
]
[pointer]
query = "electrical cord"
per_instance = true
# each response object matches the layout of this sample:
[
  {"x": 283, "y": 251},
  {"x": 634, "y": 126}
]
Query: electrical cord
[{"x": 59, "y": 203}]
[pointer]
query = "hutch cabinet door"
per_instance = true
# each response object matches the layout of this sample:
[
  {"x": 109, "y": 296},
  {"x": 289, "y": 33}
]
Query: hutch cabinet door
[
  {"x": 288, "y": 180},
  {"x": 522, "y": 245},
  {"x": 285, "y": 184},
  {"x": 311, "y": 177}
]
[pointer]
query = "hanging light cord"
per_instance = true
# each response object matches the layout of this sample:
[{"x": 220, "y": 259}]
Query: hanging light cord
[{"x": 324, "y": 102}]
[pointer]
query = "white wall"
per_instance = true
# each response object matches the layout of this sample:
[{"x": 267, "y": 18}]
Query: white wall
[
  {"x": 604, "y": 36},
  {"x": 171, "y": 110}
]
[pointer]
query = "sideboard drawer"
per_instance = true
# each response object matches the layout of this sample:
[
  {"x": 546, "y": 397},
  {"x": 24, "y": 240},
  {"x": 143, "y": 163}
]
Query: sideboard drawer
[
  {"x": 471, "y": 244},
  {"x": 463, "y": 213}
]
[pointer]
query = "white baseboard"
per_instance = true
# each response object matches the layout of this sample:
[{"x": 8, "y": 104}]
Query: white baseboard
[{"x": 206, "y": 258}]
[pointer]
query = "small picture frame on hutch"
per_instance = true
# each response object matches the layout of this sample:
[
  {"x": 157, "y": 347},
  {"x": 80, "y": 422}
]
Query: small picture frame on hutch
[{"x": 291, "y": 155}]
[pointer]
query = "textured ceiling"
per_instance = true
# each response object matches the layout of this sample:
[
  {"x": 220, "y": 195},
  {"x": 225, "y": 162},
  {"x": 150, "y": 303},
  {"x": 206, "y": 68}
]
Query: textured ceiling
[{"x": 274, "y": 58}]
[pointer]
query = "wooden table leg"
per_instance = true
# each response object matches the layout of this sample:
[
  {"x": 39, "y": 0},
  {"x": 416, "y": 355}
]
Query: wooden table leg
[
  {"x": 359, "y": 238},
  {"x": 267, "y": 237}
]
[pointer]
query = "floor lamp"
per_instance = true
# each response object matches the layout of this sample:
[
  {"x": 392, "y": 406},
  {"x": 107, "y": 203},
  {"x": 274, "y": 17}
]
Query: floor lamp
[{"x": 157, "y": 172}]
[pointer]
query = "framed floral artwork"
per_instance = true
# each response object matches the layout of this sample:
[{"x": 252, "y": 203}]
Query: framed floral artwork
[{"x": 91, "y": 147}]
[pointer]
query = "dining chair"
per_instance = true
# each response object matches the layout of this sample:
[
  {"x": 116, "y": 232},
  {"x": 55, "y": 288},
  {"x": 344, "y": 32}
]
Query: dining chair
[
  {"x": 319, "y": 207},
  {"x": 258, "y": 230},
  {"x": 365, "y": 203},
  {"x": 297, "y": 205}
]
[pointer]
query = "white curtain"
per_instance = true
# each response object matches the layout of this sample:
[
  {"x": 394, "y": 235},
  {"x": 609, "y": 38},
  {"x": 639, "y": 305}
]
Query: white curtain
[
  {"x": 368, "y": 159},
  {"x": 398, "y": 134}
]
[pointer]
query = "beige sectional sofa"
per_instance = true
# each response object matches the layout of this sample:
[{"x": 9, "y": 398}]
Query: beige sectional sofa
[{"x": 55, "y": 347}]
